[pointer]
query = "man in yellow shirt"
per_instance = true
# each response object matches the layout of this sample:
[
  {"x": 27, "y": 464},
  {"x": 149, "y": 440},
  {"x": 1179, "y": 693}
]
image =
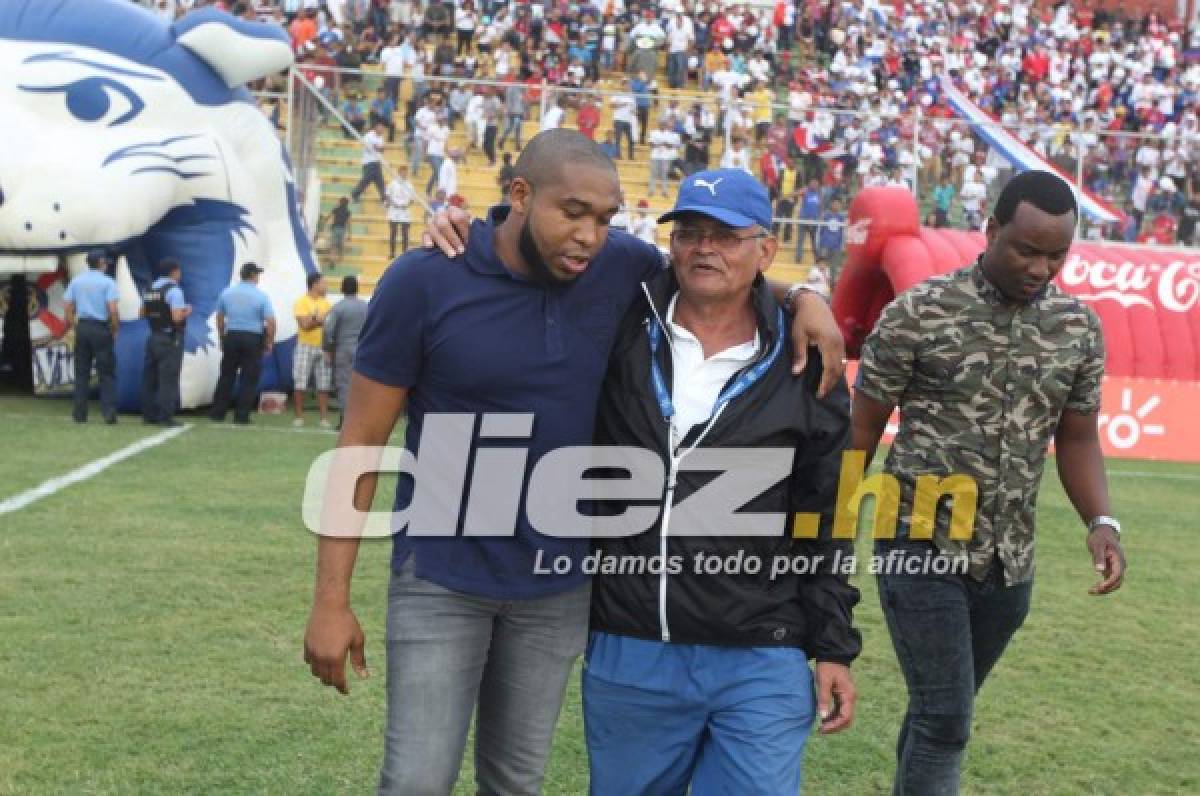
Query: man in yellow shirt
[
  {"x": 309, "y": 360},
  {"x": 785, "y": 203},
  {"x": 763, "y": 99},
  {"x": 714, "y": 59}
]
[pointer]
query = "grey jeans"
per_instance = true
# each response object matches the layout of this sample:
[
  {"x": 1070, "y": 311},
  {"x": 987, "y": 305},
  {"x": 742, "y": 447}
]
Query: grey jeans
[{"x": 450, "y": 653}]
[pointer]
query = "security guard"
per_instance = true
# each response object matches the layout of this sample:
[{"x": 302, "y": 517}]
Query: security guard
[
  {"x": 246, "y": 328},
  {"x": 91, "y": 307},
  {"x": 164, "y": 308}
]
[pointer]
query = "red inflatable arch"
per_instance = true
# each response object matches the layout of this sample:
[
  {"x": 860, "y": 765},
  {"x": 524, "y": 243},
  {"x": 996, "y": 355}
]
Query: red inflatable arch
[{"x": 1148, "y": 299}]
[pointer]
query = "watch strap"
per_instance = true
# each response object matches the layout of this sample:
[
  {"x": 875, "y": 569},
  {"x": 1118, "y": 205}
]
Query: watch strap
[{"x": 1104, "y": 519}]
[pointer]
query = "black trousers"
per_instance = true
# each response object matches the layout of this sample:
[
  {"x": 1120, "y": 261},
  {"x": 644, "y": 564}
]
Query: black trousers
[
  {"x": 464, "y": 40},
  {"x": 392, "y": 86},
  {"x": 94, "y": 346},
  {"x": 160, "y": 376},
  {"x": 241, "y": 353},
  {"x": 784, "y": 209},
  {"x": 403, "y": 225},
  {"x": 489, "y": 143},
  {"x": 643, "y": 117}
]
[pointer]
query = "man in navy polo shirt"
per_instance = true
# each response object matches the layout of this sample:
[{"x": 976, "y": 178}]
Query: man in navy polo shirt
[{"x": 523, "y": 327}]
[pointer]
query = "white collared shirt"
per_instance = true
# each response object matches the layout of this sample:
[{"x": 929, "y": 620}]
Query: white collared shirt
[{"x": 696, "y": 382}]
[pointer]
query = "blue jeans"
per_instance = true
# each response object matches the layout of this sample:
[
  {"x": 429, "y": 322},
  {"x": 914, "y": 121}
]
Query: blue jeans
[
  {"x": 435, "y": 163},
  {"x": 948, "y": 632},
  {"x": 727, "y": 720},
  {"x": 449, "y": 654},
  {"x": 416, "y": 155},
  {"x": 512, "y": 127},
  {"x": 804, "y": 230},
  {"x": 677, "y": 69}
]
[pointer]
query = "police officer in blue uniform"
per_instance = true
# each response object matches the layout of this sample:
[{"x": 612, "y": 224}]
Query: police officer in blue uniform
[
  {"x": 165, "y": 310},
  {"x": 91, "y": 306},
  {"x": 246, "y": 327}
]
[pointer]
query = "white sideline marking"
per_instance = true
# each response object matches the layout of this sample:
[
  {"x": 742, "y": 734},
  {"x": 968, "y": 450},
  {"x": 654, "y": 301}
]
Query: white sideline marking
[
  {"x": 256, "y": 429},
  {"x": 59, "y": 483},
  {"x": 1166, "y": 476},
  {"x": 202, "y": 424}
]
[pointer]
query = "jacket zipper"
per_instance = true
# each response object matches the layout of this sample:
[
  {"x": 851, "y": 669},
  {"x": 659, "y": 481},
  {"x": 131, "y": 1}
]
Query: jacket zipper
[
  {"x": 675, "y": 460},
  {"x": 669, "y": 497},
  {"x": 664, "y": 628}
]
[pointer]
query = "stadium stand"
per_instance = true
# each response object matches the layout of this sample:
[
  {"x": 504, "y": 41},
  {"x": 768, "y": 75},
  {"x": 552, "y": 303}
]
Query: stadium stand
[{"x": 944, "y": 98}]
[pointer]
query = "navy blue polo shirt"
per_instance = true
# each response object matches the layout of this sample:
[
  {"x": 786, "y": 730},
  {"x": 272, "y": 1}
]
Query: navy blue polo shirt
[{"x": 469, "y": 335}]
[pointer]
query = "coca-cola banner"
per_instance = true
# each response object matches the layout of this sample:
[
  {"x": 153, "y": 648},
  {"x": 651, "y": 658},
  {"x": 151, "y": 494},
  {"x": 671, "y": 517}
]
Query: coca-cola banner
[
  {"x": 1148, "y": 301},
  {"x": 1168, "y": 279},
  {"x": 1147, "y": 298}
]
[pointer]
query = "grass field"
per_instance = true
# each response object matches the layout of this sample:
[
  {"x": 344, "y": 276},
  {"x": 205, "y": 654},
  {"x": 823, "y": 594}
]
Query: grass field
[{"x": 151, "y": 621}]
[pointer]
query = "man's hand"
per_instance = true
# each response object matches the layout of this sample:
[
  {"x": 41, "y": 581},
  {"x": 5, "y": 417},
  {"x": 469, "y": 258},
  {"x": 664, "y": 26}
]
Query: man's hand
[
  {"x": 835, "y": 697},
  {"x": 814, "y": 325},
  {"x": 332, "y": 633},
  {"x": 328, "y": 357},
  {"x": 447, "y": 230},
  {"x": 1108, "y": 558}
]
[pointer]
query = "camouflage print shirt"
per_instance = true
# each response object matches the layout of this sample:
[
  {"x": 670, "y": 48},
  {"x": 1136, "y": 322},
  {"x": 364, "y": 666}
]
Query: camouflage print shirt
[{"x": 981, "y": 383}]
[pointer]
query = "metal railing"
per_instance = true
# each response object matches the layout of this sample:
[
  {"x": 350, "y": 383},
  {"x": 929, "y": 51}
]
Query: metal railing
[{"x": 309, "y": 103}]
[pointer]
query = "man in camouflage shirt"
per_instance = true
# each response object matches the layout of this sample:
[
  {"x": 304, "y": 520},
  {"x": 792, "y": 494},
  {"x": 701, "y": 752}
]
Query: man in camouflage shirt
[{"x": 988, "y": 365}]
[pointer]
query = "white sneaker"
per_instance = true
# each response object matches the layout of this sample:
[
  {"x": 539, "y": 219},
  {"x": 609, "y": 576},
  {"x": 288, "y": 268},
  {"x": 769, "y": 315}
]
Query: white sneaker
[
  {"x": 298, "y": 423},
  {"x": 325, "y": 424}
]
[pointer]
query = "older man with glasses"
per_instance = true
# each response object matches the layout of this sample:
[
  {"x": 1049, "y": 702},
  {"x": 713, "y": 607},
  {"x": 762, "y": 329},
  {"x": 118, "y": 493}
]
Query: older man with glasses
[{"x": 698, "y": 673}]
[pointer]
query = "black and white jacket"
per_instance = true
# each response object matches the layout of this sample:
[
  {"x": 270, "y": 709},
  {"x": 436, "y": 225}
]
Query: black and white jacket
[{"x": 778, "y": 410}]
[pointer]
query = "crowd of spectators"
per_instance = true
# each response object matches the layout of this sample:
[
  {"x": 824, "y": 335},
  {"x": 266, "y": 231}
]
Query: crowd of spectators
[{"x": 847, "y": 94}]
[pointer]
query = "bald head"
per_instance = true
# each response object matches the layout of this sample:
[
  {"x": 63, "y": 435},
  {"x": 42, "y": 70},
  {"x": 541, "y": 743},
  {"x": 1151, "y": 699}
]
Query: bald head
[{"x": 542, "y": 160}]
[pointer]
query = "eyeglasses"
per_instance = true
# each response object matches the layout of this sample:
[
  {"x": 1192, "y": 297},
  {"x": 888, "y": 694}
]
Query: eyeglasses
[{"x": 722, "y": 238}]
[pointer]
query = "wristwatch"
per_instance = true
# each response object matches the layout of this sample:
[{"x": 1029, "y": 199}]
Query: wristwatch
[
  {"x": 789, "y": 298},
  {"x": 1111, "y": 522}
]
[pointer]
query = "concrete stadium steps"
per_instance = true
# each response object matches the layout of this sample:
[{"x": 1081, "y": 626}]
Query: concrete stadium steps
[{"x": 338, "y": 161}]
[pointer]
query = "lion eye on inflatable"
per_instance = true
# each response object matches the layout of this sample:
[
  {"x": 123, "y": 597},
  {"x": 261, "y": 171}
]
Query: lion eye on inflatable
[{"x": 123, "y": 131}]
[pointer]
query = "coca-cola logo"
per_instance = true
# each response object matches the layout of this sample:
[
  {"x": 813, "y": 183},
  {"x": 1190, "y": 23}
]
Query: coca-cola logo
[{"x": 1175, "y": 284}]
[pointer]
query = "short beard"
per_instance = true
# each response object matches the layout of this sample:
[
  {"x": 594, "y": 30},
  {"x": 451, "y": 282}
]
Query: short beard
[{"x": 539, "y": 269}]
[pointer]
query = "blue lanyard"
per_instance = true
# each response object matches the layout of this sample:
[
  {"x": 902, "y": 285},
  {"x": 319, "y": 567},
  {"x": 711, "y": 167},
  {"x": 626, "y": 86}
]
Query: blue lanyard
[{"x": 743, "y": 382}]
